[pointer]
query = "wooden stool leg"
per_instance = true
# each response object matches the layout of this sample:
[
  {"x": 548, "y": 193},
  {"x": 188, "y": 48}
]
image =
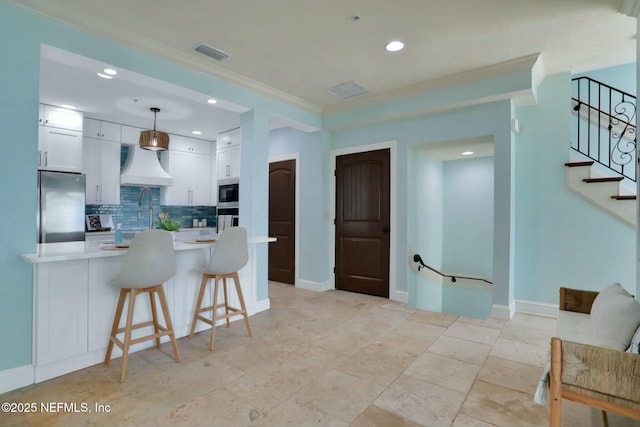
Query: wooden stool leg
[
  {"x": 167, "y": 319},
  {"x": 154, "y": 315},
  {"x": 127, "y": 334},
  {"x": 213, "y": 313},
  {"x": 236, "y": 280},
  {"x": 555, "y": 386},
  {"x": 203, "y": 286},
  {"x": 116, "y": 323},
  {"x": 226, "y": 299}
]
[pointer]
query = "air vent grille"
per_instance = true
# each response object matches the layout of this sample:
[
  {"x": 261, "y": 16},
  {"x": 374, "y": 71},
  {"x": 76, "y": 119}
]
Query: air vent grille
[
  {"x": 347, "y": 90},
  {"x": 211, "y": 52}
]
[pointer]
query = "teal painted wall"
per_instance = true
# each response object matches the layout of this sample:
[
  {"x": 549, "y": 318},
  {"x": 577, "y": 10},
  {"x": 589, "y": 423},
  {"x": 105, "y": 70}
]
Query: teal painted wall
[
  {"x": 561, "y": 239},
  {"x": 21, "y": 34},
  {"x": 20, "y": 50},
  {"x": 314, "y": 226},
  {"x": 468, "y": 217}
]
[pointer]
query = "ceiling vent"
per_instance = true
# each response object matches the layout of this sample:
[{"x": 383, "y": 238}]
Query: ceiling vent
[
  {"x": 347, "y": 90},
  {"x": 211, "y": 52}
]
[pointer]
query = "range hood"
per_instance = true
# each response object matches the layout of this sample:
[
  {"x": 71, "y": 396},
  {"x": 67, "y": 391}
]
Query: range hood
[{"x": 142, "y": 168}]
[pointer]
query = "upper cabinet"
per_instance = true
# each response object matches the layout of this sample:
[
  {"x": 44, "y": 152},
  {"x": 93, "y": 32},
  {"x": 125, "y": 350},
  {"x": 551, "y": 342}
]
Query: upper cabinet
[
  {"x": 188, "y": 161},
  {"x": 61, "y": 118},
  {"x": 101, "y": 130},
  {"x": 60, "y": 139},
  {"x": 228, "y": 154},
  {"x": 102, "y": 166}
]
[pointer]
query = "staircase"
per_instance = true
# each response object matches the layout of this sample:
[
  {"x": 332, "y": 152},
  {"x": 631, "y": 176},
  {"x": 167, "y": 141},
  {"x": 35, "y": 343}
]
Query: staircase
[{"x": 604, "y": 166}]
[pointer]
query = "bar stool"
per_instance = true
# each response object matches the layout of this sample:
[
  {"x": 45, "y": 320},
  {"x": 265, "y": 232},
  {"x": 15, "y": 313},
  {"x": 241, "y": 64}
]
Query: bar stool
[
  {"x": 149, "y": 262},
  {"x": 230, "y": 254}
]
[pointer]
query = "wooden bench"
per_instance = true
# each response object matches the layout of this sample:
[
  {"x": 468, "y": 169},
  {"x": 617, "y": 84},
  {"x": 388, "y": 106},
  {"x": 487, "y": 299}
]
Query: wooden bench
[{"x": 595, "y": 376}]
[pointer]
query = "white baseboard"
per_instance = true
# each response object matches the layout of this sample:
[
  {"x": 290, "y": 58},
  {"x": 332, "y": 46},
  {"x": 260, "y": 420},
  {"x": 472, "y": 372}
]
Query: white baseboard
[
  {"x": 14, "y": 378},
  {"x": 503, "y": 311},
  {"x": 262, "y": 305},
  {"x": 314, "y": 286},
  {"x": 537, "y": 308},
  {"x": 400, "y": 296}
]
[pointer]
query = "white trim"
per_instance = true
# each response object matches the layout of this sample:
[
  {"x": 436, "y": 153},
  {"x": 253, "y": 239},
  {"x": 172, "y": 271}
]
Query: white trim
[
  {"x": 400, "y": 296},
  {"x": 537, "y": 308},
  {"x": 293, "y": 156},
  {"x": 314, "y": 286},
  {"x": 261, "y": 305},
  {"x": 503, "y": 311},
  {"x": 11, "y": 379},
  {"x": 393, "y": 175}
]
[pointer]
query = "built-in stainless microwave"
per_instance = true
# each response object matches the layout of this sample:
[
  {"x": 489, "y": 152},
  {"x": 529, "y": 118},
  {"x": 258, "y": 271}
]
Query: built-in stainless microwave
[{"x": 228, "y": 193}]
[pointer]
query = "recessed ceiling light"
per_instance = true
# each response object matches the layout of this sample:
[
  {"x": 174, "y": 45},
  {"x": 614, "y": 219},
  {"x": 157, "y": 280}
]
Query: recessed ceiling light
[
  {"x": 212, "y": 101},
  {"x": 104, "y": 76},
  {"x": 196, "y": 132},
  {"x": 467, "y": 153},
  {"x": 394, "y": 46},
  {"x": 110, "y": 71},
  {"x": 68, "y": 106}
]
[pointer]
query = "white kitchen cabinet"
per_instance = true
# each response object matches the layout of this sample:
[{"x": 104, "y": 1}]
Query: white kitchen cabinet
[
  {"x": 228, "y": 161},
  {"x": 59, "y": 149},
  {"x": 102, "y": 167},
  {"x": 189, "y": 163},
  {"x": 101, "y": 130},
  {"x": 102, "y": 301},
  {"x": 60, "y": 313},
  {"x": 58, "y": 117},
  {"x": 228, "y": 154}
]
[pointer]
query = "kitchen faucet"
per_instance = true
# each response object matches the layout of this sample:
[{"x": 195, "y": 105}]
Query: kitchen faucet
[{"x": 148, "y": 191}]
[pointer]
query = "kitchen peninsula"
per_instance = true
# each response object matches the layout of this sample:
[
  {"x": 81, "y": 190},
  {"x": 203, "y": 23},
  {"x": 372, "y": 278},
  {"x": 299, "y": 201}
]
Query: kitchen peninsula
[{"x": 74, "y": 301}]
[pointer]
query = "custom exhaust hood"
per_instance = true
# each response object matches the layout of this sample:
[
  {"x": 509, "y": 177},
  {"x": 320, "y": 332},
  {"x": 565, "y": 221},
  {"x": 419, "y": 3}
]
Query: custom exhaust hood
[{"x": 142, "y": 168}]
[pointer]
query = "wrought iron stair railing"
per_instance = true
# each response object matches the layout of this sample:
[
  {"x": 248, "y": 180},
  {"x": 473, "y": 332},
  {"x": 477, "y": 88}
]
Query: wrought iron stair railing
[{"x": 606, "y": 125}]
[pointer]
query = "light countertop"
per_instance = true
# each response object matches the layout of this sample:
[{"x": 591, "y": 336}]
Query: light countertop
[{"x": 51, "y": 252}]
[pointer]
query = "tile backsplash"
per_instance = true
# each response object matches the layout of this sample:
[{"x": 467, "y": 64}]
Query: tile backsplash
[{"x": 126, "y": 213}]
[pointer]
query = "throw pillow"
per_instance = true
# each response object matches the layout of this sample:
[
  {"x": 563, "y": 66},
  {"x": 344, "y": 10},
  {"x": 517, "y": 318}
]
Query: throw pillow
[
  {"x": 634, "y": 347},
  {"x": 615, "y": 318}
]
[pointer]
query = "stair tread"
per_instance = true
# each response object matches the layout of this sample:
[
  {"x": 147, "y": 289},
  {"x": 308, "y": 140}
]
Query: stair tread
[
  {"x": 627, "y": 197},
  {"x": 574, "y": 164},
  {"x": 611, "y": 179}
]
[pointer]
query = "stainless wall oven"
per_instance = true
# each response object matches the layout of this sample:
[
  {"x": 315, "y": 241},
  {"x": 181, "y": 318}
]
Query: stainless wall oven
[{"x": 228, "y": 193}]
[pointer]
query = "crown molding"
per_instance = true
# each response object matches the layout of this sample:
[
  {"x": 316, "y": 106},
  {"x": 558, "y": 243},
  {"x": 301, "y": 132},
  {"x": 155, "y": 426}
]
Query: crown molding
[
  {"x": 630, "y": 8},
  {"x": 495, "y": 70}
]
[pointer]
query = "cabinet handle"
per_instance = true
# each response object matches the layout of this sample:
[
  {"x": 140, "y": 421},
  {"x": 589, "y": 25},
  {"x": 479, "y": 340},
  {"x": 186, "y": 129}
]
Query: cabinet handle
[
  {"x": 229, "y": 142},
  {"x": 228, "y": 170},
  {"x": 46, "y": 158},
  {"x": 39, "y": 157},
  {"x": 97, "y": 193}
]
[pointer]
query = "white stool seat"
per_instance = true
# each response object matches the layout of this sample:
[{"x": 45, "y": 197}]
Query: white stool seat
[{"x": 149, "y": 263}]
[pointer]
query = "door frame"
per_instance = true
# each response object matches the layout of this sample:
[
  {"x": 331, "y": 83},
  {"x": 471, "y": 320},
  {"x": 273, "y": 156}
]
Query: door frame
[
  {"x": 296, "y": 157},
  {"x": 394, "y": 294}
]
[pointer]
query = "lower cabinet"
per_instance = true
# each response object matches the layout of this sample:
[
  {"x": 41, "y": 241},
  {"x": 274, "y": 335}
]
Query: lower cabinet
[{"x": 60, "y": 324}]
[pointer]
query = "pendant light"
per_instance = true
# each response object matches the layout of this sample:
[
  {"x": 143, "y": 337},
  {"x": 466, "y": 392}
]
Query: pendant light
[{"x": 152, "y": 139}]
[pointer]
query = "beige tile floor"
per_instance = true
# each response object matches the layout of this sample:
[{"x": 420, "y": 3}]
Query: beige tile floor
[{"x": 324, "y": 359}]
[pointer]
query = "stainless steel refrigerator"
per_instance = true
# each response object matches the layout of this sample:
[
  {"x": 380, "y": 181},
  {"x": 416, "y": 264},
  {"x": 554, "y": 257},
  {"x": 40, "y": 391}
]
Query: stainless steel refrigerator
[{"x": 61, "y": 198}]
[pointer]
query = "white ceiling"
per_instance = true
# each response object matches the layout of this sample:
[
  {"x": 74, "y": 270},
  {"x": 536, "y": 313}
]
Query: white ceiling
[{"x": 298, "y": 48}]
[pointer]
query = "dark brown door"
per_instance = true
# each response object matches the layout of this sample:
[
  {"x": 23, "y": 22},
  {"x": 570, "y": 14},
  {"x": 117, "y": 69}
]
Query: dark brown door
[
  {"x": 362, "y": 223},
  {"x": 282, "y": 224}
]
